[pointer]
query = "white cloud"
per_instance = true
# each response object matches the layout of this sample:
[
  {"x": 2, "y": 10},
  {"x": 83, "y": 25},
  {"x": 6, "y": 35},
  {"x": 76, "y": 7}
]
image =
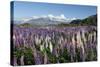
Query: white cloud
[
  {"x": 63, "y": 16},
  {"x": 60, "y": 17},
  {"x": 35, "y": 17},
  {"x": 50, "y": 15},
  {"x": 73, "y": 18},
  {"x": 25, "y": 19}
]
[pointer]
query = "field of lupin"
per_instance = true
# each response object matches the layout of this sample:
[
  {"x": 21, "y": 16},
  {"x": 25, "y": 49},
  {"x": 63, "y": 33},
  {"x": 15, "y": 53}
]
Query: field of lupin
[{"x": 50, "y": 45}]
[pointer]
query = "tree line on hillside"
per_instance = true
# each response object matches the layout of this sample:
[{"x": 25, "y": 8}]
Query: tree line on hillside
[{"x": 91, "y": 20}]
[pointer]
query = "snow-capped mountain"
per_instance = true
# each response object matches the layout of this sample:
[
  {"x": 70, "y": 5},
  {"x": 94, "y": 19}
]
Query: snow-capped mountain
[{"x": 46, "y": 20}]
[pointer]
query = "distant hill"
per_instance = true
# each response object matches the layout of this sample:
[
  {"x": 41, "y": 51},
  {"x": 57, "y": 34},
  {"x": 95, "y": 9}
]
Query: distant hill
[
  {"x": 77, "y": 21},
  {"x": 91, "y": 20},
  {"x": 25, "y": 25}
]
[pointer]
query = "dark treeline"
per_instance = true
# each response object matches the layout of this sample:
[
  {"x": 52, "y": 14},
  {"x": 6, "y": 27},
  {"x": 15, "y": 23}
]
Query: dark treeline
[{"x": 91, "y": 20}]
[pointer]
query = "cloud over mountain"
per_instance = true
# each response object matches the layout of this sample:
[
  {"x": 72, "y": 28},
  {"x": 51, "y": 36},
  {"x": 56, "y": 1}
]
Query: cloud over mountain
[{"x": 47, "y": 19}]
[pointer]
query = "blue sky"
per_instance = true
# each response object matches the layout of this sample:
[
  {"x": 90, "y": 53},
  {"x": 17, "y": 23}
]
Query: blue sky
[{"x": 29, "y": 9}]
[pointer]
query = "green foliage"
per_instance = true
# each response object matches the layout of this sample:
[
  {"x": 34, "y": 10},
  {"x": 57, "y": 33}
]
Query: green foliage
[
  {"x": 25, "y": 25},
  {"x": 29, "y": 60},
  {"x": 78, "y": 54},
  {"x": 77, "y": 21},
  {"x": 64, "y": 57},
  {"x": 52, "y": 58},
  {"x": 91, "y": 55},
  {"x": 28, "y": 55},
  {"x": 92, "y": 20},
  {"x": 18, "y": 52}
]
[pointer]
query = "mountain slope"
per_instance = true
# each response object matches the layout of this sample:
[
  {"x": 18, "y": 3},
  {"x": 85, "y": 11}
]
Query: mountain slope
[
  {"x": 91, "y": 20},
  {"x": 46, "y": 20}
]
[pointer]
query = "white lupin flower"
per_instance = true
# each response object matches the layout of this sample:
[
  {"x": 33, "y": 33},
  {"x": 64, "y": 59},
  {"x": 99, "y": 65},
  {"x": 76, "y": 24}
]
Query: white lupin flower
[
  {"x": 80, "y": 44},
  {"x": 48, "y": 38},
  {"x": 46, "y": 44},
  {"x": 78, "y": 38},
  {"x": 79, "y": 41},
  {"x": 83, "y": 36},
  {"x": 59, "y": 41},
  {"x": 94, "y": 36},
  {"x": 51, "y": 47},
  {"x": 73, "y": 40},
  {"x": 22, "y": 60},
  {"x": 37, "y": 40},
  {"x": 90, "y": 37},
  {"x": 53, "y": 35},
  {"x": 14, "y": 37},
  {"x": 41, "y": 37},
  {"x": 62, "y": 39},
  {"x": 41, "y": 47}
]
